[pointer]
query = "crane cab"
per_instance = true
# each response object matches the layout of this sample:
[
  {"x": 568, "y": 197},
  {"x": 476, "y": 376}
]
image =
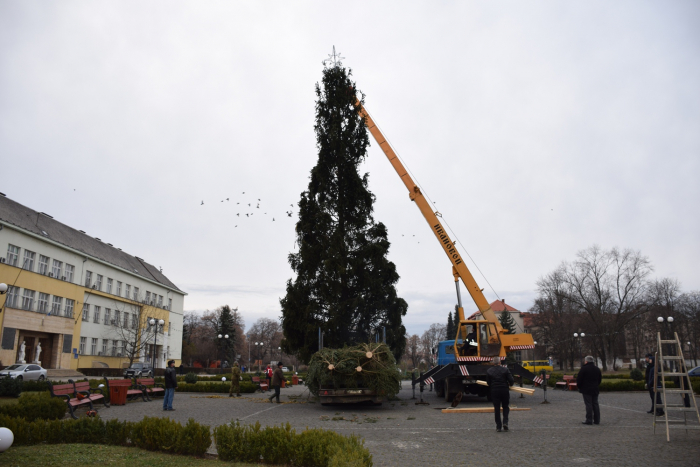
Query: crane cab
[{"x": 477, "y": 339}]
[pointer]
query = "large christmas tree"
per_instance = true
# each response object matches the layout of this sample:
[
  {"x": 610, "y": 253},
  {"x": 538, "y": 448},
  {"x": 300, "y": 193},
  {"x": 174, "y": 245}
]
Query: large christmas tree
[{"x": 344, "y": 284}]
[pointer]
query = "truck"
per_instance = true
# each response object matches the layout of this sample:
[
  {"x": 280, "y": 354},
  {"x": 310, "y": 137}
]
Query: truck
[{"x": 472, "y": 350}]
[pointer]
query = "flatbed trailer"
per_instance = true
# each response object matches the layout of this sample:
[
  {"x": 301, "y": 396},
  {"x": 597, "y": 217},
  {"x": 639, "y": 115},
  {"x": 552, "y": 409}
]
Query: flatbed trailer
[{"x": 329, "y": 395}]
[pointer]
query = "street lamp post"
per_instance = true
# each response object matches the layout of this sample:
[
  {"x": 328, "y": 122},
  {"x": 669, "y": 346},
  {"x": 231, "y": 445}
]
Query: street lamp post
[
  {"x": 218, "y": 348},
  {"x": 3, "y": 289},
  {"x": 579, "y": 337},
  {"x": 155, "y": 323},
  {"x": 258, "y": 348},
  {"x": 667, "y": 335}
]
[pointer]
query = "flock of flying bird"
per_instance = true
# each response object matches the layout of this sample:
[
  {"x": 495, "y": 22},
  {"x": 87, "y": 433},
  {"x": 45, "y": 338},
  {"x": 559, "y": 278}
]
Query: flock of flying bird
[
  {"x": 257, "y": 206},
  {"x": 250, "y": 205}
]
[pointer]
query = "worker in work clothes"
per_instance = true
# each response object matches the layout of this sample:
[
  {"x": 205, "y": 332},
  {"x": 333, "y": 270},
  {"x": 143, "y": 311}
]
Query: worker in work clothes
[
  {"x": 277, "y": 378},
  {"x": 653, "y": 382},
  {"x": 235, "y": 380},
  {"x": 500, "y": 380}
]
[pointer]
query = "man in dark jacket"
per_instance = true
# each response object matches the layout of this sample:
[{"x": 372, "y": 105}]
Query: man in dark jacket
[
  {"x": 652, "y": 382},
  {"x": 588, "y": 382},
  {"x": 277, "y": 378},
  {"x": 170, "y": 385},
  {"x": 500, "y": 380}
]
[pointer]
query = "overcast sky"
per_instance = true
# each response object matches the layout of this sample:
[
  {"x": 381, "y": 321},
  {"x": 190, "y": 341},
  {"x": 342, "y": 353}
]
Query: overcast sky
[{"x": 538, "y": 128}]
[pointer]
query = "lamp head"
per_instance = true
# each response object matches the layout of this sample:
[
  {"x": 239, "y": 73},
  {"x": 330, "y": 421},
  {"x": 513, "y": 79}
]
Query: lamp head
[
  {"x": 161, "y": 322},
  {"x": 575, "y": 334},
  {"x": 583, "y": 334},
  {"x": 670, "y": 319},
  {"x": 219, "y": 336},
  {"x": 3, "y": 288},
  {"x": 660, "y": 319},
  {"x": 226, "y": 336},
  {"x": 152, "y": 321}
]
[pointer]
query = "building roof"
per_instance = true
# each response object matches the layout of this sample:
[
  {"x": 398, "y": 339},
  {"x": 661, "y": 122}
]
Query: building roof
[
  {"x": 498, "y": 306},
  {"x": 45, "y": 226}
]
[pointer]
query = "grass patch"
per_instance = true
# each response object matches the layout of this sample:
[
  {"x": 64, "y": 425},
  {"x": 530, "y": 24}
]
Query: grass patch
[
  {"x": 8, "y": 400},
  {"x": 78, "y": 455}
]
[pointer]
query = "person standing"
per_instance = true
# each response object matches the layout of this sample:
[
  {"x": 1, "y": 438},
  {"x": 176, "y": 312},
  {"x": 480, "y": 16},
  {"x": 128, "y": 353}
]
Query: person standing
[
  {"x": 235, "y": 380},
  {"x": 588, "y": 383},
  {"x": 500, "y": 380},
  {"x": 652, "y": 384},
  {"x": 277, "y": 378},
  {"x": 170, "y": 385}
]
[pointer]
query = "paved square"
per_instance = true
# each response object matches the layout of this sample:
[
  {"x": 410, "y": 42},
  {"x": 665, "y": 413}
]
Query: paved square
[{"x": 401, "y": 433}]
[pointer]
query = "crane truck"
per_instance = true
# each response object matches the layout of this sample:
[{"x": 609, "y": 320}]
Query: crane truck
[{"x": 466, "y": 358}]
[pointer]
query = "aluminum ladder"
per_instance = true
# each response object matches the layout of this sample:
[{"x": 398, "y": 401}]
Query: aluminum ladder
[{"x": 685, "y": 389}]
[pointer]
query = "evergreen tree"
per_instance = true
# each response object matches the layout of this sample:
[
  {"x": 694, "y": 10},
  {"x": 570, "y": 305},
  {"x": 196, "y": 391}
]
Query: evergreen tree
[
  {"x": 450, "y": 330},
  {"x": 344, "y": 282},
  {"x": 226, "y": 326},
  {"x": 507, "y": 322}
]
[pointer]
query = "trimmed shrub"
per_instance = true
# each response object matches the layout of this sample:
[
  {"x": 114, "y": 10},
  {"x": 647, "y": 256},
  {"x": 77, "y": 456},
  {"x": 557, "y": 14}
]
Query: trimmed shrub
[
  {"x": 32, "y": 406},
  {"x": 216, "y": 387},
  {"x": 191, "y": 378},
  {"x": 10, "y": 387},
  {"x": 637, "y": 374},
  {"x": 695, "y": 382},
  {"x": 282, "y": 445}
]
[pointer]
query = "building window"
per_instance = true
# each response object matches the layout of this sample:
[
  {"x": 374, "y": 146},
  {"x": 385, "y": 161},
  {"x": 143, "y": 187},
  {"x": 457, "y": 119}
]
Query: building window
[
  {"x": 96, "y": 315},
  {"x": 93, "y": 347},
  {"x": 86, "y": 311},
  {"x": 116, "y": 317},
  {"x": 12, "y": 255},
  {"x": 134, "y": 323},
  {"x": 56, "y": 305},
  {"x": 98, "y": 282},
  {"x": 12, "y": 295},
  {"x": 88, "y": 279},
  {"x": 127, "y": 291},
  {"x": 68, "y": 311},
  {"x": 136, "y": 293},
  {"x": 148, "y": 297},
  {"x": 56, "y": 268},
  {"x": 109, "y": 285},
  {"x": 126, "y": 320},
  {"x": 28, "y": 299},
  {"x": 170, "y": 304},
  {"x": 119, "y": 289},
  {"x": 82, "y": 344},
  {"x": 105, "y": 345},
  {"x": 114, "y": 347},
  {"x": 43, "y": 303},
  {"x": 160, "y": 301},
  {"x": 119, "y": 348},
  {"x": 43, "y": 264},
  {"x": 28, "y": 263},
  {"x": 107, "y": 313},
  {"x": 70, "y": 271}
]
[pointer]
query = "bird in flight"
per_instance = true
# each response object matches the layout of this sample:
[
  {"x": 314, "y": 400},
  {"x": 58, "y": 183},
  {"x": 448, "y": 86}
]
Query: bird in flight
[
  {"x": 247, "y": 215},
  {"x": 273, "y": 219},
  {"x": 239, "y": 214},
  {"x": 226, "y": 199},
  {"x": 202, "y": 203}
]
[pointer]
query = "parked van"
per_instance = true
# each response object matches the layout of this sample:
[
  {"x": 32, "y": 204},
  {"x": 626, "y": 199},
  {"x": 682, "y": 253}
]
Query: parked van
[{"x": 538, "y": 365}]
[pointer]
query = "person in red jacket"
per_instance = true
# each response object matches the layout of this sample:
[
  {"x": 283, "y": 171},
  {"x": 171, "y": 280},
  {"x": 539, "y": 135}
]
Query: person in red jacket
[{"x": 268, "y": 375}]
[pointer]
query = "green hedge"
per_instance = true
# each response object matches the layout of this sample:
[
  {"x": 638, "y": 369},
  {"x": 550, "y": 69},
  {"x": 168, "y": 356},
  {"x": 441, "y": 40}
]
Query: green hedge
[
  {"x": 282, "y": 445},
  {"x": 10, "y": 387},
  {"x": 155, "y": 434},
  {"x": 33, "y": 406},
  {"x": 220, "y": 387}
]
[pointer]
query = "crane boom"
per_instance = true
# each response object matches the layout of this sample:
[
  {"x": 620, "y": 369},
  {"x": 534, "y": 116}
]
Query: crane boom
[{"x": 459, "y": 268}]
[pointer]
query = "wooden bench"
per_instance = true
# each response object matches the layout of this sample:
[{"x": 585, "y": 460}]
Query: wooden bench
[
  {"x": 151, "y": 387},
  {"x": 67, "y": 392},
  {"x": 570, "y": 382},
  {"x": 84, "y": 388},
  {"x": 262, "y": 385},
  {"x": 131, "y": 393}
]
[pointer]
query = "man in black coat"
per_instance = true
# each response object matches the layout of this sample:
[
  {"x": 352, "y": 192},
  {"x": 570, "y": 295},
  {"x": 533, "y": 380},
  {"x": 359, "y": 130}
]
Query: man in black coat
[
  {"x": 588, "y": 382},
  {"x": 651, "y": 382},
  {"x": 500, "y": 380},
  {"x": 170, "y": 385}
]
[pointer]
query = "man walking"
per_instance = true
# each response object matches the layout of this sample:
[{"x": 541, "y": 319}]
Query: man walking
[
  {"x": 652, "y": 383},
  {"x": 500, "y": 379},
  {"x": 277, "y": 378},
  {"x": 170, "y": 385},
  {"x": 235, "y": 380},
  {"x": 588, "y": 382}
]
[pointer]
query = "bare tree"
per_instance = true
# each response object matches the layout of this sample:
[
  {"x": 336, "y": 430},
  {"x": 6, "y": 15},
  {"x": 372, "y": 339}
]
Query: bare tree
[
  {"x": 131, "y": 331},
  {"x": 268, "y": 333},
  {"x": 413, "y": 349},
  {"x": 610, "y": 288},
  {"x": 689, "y": 308},
  {"x": 430, "y": 339}
]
